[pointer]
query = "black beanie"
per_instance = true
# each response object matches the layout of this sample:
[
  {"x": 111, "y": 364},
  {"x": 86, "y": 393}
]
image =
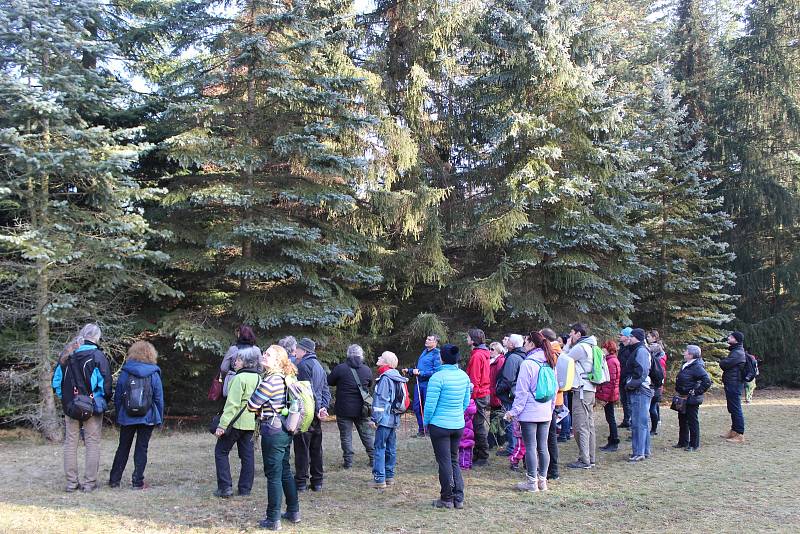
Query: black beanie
[
  {"x": 449, "y": 354},
  {"x": 638, "y": 333},
  {"x": 738, "y": 336}
]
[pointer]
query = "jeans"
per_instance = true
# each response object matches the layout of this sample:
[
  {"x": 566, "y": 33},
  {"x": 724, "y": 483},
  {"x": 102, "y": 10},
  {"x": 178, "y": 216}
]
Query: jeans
[
  {"x": 625, "y": 401},
  {"x": 480, "y": 424},
  {"x": 689, "y": 426},
  {"x": 445, "y": 448},
  {"x": 733, "y": 395},
  {"x": 537, "y": 457},
  {"x": 640, "y": 420},
  {"x": 583, "y": 420},
  {"x": 91, "y": 439},
  {"x": 126, "y": 435},
  {"x": 552, "y": 448},
  {"x": 243, "y": 439},
  {"x": 275, "y": 450},
  {"x": 566, "y": 423},
  {"x": 308, "y": 453},
  {"x": 365, "y": 432},
  {"x": 385, "y": 453},
  {"x": 419, "y": 403},
  {"x": 510, "y": 439},
  {"x": 611, "y": 419},
  {"x": 655, "y": 412}
]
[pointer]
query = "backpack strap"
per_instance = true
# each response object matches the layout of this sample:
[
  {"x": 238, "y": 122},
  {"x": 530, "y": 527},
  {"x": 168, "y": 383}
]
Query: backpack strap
[
  {"x": 364, "y": 392},
  {"x": 76, "y": 372}
]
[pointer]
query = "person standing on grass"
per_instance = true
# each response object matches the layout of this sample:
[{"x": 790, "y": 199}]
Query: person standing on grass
[
  {"x": 609, "y": 394},
  {"x": 639, "y": 392},
  {"x": 308, "y": 445},
  {"x": 552, "y": 434},
  {"x": 580, "y": 350},
  {"x": 479, "y": 371},
  {"x": 428, "y": 363},
  {"x": 268, "y": 401},
  {"x": 385, "y": 420},
  {"x": 449, "y": 393},
  {"x": 622, "y": 355},
  {"x": 245, "y": 339},
  {"x": 140, "y": 365},
  {"x": 346, "y": 378},
  {"x": 656, "y": 348},
  {"x": 497, "y": 358},
  {"x": 83, "y": 370},
  {"x": 533, "y": 415},
  {"x": 506, "y": 383},
  {"x": 692, "y": 382},
  {"x": 242, "y": 425},
  {"x": 732, "y": 377}
]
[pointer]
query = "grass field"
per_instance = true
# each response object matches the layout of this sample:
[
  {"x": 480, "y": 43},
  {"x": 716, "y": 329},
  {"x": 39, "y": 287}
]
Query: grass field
[{"x": 721, "y": 488}]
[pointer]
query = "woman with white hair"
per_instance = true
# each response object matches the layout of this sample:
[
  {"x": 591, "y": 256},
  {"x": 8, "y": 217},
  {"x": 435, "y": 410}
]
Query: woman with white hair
[
  {"x": 236, "y": 425},
  {"x": 82, "y": 380},
  {"x": 352, "y": 379},
  {"x": 691, "y": 383}
]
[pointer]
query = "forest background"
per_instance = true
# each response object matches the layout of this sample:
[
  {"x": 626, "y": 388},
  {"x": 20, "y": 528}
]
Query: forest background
[{"x": 373, "y": 173}]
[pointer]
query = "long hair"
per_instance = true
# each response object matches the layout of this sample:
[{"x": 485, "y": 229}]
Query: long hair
[
  {"x": 90, "y": 332},
  {"x": 611, "y": 346},
  {"x": 144, "y": 352},
  {"x": 282, "y": 363},
  {"x": 540, "y": 342}
]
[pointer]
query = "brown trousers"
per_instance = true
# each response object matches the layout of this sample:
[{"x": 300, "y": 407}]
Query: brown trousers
[{"x": 91, "y": 437}]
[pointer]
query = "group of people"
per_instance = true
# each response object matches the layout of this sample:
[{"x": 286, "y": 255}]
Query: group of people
[{"x": 540, "y": 388}]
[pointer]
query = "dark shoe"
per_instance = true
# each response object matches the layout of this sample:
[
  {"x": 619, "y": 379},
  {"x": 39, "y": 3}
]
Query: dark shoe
[
  {"x": 654, "y": 432},
  {"x": 419, "y": 435},
  {"x": 316, "y": 487},
  {"x": 438, "y": 503},
  {"x": 390, "y": 482},
  {"x": 73, "y": 489},
  {"x": 142, "y": 486},
  {"x": 503, "y": 452},
  {"x": 291, "y": 517},
  {"x": 88, "y": 489},
  {"x": 553, "y": 476},
  {"x": 243, "y": 493},
  {"x": 514, "y": 467},
  {"x": 691, "y": 449},
  {"x": 269, "y": 525},
  {"x": 480, "y": 463},
  {"x": 611, "y": 447},
  {"x": 624, "y": 424},
  {"x": 629, "y": 438},
  {"x": 579, "y": 465},
  {"x": 223, "y": 493},
  {"x": 347, "y": 466},
  {"x": 563, "y": 439},
  {"x": 301, "y": 488},
  {"x": 458, "y": 505},
  {"x": 113, "y": 484}
]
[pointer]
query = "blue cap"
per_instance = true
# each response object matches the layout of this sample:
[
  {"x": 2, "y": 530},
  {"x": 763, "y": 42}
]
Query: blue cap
[{"x": 627, "y": 331}]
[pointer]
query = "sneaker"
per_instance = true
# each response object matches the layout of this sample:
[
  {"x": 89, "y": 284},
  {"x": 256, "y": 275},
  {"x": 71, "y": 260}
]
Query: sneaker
[
  {"x": 439, "y": 503},
  {"x": 553, "y": 477},
  {"x": 531, "y": 485},
  {"x": 503, "y": 452},
  {"x": 291, "y": 517},
  {"x": 639, "y": 458},
  {"x": 542, "y": 483},
  {"x": 269, "y": 525},
  {"x": 377, "y": 485},
  {"x": 458, "y": 505},
  {"x": 223, "y": 493},
  {"x": 611, "y": 447},
  {"x": 691, "y": 449},
  {"x": 390, "y": 482},
  {"x": 579, "y": 465}
]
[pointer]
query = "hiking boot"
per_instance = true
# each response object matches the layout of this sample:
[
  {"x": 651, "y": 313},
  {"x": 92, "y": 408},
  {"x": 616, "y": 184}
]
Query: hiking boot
[
  {"x": 439, "y": 503},
  {"x": 736, "y": 438},
  {"x": 377, "y": 485},
  {"x": 269, "y": 525},
  {"x": 728, "y": 435},
  {"x": 579, "y": 465},
  {"x": 291, "y": 517},
  {"x": 542, "y": 483},
  {"x": 611, "y": 447},
  {"x": 390, "y": 482},
  {"x": 223, "y": 493},
  {"x": 531, "y": 484}
]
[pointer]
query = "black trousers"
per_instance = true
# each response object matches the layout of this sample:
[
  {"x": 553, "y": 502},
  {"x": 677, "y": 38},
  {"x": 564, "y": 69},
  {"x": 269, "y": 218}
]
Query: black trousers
[
  {"x": 611, "y": 419},
  {"x": 243, "y": 439},
  {"x": 689, "y": 426},
  {"x": 655, "y": 412},
  {"x": 126, "y": 434},
  {"x": 625, "y": 402},
  {"x": 445, "y": 447},
  {"x": 308, "y": 453},
  {"x": 552, "y": 448}
]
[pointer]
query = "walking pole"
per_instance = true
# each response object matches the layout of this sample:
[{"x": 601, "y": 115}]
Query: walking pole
[{"x": 419, "y": 399}]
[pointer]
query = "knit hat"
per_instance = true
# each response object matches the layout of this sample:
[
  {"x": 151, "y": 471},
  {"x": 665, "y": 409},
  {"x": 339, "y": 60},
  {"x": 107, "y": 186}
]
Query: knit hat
[
  {"x": 738, "y": 336},
  {"x": 449, "y": 354},
  {"x": 638, "y": 333},
  {"x": 388, "y": 358},
  {"x": 307, "y": 345},
  {"x": 626, "y": 331}
]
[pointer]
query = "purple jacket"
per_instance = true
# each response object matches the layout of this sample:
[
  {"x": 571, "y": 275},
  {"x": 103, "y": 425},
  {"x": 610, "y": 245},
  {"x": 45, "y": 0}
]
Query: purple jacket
[{"x": 526, "y": 408}]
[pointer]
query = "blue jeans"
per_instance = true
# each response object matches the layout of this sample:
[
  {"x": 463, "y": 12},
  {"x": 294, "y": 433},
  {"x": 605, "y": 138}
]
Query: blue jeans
[
  {"x": 640, "y": 422},
  {"x": 419, "y": 403},
  {"x": 733, "y": 396},
  {"x": 511, "y": 441},
  {"x": 566, "y": 423},
  {"x": 385, "y": 453}
]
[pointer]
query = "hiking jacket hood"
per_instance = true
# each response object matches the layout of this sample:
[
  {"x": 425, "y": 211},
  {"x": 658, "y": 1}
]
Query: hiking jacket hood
[
  {"x": 155, "y": 415},
  {"x": 384, "y": 397}
]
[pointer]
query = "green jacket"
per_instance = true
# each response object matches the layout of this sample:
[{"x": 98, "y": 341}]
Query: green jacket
[{"x": 240, "y": 389}]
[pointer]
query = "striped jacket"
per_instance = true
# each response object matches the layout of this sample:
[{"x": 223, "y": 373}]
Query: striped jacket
[{"x": 269, "y": 398}]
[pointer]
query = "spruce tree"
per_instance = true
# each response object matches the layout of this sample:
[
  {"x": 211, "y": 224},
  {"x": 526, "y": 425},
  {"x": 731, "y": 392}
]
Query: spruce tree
[
  {"x": 265, "y": 208},
  {"x": 685, "y": 295},
  {"x": 72, "y": 237}
]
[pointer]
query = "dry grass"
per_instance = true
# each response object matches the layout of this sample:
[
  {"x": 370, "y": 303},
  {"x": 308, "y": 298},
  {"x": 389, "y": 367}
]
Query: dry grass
[{"x": 721, "y": 488}]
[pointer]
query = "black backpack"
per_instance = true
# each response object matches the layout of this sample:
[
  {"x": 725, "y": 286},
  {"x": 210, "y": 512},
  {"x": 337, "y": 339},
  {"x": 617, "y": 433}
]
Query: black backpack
[
  {"x": 656, "y": 373},
  {"x": 81, "y": 406},
  {"x": 750, "y": 368},
  {"x": 138, "y": 395}
]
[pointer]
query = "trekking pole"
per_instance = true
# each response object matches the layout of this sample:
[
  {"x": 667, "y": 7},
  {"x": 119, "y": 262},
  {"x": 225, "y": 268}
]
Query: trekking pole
[{"x": 419, "y": 400}]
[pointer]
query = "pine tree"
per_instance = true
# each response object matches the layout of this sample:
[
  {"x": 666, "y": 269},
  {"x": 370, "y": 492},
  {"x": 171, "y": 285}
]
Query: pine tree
[
  {"x": 685, "y": 295},
  {"x": 265, "y": 210},
  {"x": 73, "y": 240}
]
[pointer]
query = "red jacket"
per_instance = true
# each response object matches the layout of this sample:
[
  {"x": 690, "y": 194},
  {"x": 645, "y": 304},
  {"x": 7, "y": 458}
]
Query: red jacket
[
  {"x": 609, "y": 392},
  {"x": 494, "y": 372},
  {"x": 478, "y": 372}
]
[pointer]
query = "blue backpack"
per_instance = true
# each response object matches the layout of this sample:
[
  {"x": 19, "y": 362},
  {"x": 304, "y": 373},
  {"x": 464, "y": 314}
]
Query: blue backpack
[{"x": 546, "y": 385}]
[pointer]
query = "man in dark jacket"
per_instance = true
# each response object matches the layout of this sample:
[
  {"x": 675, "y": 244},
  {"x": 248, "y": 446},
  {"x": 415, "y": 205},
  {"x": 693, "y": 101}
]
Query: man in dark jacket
[
  {"x": 346, "y": 378},
  {"x": 732, "y": 373},
  {"x": 622, "y": 355},
  {"x": 637, "y": 372},
  {"x": 308, "y": 445},
  {"x": 506, "y": 383}
]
